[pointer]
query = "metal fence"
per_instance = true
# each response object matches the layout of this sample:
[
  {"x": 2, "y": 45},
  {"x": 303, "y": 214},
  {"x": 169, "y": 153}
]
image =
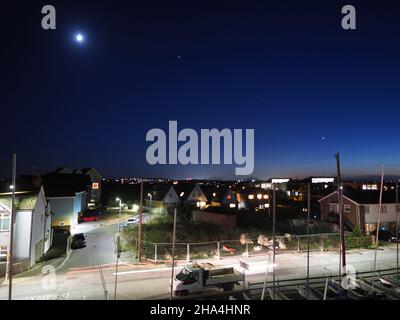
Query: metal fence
[{"x": 159, "y": 252}]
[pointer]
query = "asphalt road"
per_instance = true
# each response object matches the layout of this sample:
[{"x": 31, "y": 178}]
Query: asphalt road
[{"x": 79, "y": 277}]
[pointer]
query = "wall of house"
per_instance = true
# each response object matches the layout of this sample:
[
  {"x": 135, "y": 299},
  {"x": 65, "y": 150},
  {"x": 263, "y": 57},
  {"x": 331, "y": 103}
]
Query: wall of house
[
  {"x": 63, "y": 211},
  {"x": 22, "y": 234},
  {"x": 388, "y": 216},
  {"x": 39, "y": 229},
  {"x": 95, "y": 194},
  {"x": 351, "y": 211}
]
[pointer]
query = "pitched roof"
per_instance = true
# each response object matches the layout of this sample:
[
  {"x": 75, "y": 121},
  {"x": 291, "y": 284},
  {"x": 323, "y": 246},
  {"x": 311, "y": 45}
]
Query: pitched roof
[
  {"x": 62, "y": 170},
  {"x": 58, "y": 185},
  {"x": 65, "y": 185},
  {"x": 158, "y": 192},
  {"x": 184, "y": 189},
  {"x": 25, "y": 200},
  {"x": 366, "y": 196}
]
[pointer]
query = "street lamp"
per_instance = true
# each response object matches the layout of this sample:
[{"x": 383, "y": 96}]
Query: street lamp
[
  {"x": 151, "y": 198},
  {"x": 119, "y": 214},
  {"x": 117, "y": 239}
]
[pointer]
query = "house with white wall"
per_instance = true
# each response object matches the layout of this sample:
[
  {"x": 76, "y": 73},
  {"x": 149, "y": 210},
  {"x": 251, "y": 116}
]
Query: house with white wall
[
  {"x": 361, "y": 209},
  {"x": 32, "y": 227}
]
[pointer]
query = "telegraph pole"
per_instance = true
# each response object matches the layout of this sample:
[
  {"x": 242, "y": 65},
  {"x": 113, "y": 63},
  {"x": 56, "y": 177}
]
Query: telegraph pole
[
  {"x": 11, "y": 235},
  {"x": 397, "y": 230},
  {"x": 342, "y": 263},
  {"x": 140, "y": 222},
  {"x": 308, "y": 235},
  {"x": 377, "y": 229},
  {"x": 173, "y": 257},
  {"x": 273, "y": 238}
]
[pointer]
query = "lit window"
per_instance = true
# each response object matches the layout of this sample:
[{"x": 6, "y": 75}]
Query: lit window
[
  {"x": 347, "y": 208},
  {"x": 214, "y": 194},
  {"x": 4, "y": 222},
  {"x": 265, "y": 196},
  {"x": 95, "y": 186},
  {"x": 251, "y": 196},
  {"x": 259, "y": 196},
  {"x": 232, "y": 205}
]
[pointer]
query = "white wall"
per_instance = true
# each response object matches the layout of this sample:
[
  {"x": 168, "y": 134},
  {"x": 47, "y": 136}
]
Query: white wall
[
  {"x": 38, "y": 229},
  {"x": 22, "y": 234},
  {"x": 388, "y": 216}
]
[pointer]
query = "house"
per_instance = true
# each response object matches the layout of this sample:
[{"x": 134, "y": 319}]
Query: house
[
  {"x": 361, "y": 209},
  {"x": 95, "y": 190},
  {"x": 68, "y": 196},
  {"x": 161, "y": 198},
  {"x": 191, "y": 195},
  {"x": 252, "y": 198},
  {"x": 32, "y": 228},
  {"x": 219, "y": 195}
]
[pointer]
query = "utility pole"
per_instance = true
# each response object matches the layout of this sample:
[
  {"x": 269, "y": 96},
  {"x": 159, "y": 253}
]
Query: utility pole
[
  {"x": 140, "y": 222},
  {"x": 273, "y": 238},
  {"x": 342, "y": 264},
  {"x": 173, "y": 257},
  {"x": 11, "y": 235},
  {"x": 308, "y": 236},
  {"x": 377, "y": 229},
  {"x": 397, "y": 231}
]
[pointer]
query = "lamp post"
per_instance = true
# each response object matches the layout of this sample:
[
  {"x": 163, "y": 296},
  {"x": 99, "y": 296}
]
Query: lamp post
[
  {"x": 119, "y": 212},
  {"x": 151, "y": 199},
  {"x": 117, "y": 239}
]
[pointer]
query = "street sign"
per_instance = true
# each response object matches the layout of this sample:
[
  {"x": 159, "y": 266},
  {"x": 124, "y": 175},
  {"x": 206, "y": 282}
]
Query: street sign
[{"x": 244, "y": 265}]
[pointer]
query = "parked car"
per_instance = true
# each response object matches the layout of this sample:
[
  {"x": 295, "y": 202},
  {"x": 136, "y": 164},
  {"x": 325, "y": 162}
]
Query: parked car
[
  {"x": 131, "y": 221},
  {"x": 78, "y": 241},
  {"x": 385, "y": 236}
]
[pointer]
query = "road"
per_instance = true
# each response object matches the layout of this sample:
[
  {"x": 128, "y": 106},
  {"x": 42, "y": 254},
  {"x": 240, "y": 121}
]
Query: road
[{"x": 79, "y": 277}]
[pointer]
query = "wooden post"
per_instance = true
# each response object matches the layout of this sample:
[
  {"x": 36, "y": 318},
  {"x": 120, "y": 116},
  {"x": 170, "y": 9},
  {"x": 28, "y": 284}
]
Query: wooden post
[
  {"x": 140, "y": 222},
  {"x": 342, "y": 261},
  {"x": 298, "y": 244},
  {"x": 173, "y": 257},
  {"x": 218, "y": 250},
  {"x": 155, "y": 252},
  {"x": 188, "y": 252},
  {"x": 377, "y": 229}
]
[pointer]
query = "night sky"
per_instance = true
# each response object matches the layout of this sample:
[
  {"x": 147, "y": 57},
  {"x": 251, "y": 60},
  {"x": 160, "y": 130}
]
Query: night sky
[{"x": 285, "y": 68}]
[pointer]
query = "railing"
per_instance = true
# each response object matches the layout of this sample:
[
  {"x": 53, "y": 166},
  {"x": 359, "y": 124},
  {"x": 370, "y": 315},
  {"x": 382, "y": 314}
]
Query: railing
[{"x": 160, "y": 252}]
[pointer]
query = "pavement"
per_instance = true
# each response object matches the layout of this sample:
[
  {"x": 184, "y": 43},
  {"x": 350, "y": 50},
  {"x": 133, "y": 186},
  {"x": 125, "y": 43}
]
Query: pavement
[{"x": 78, "y": 277}]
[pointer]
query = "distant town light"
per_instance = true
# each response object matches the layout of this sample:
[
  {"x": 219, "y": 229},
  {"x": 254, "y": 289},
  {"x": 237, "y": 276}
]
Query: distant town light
[{"x": 11, "y": 187}]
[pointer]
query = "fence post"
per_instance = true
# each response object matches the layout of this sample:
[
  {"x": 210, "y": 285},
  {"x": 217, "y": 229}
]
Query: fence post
[
  {"x": 322, "y": 244},
  {"x": 218, "y": 250},
  {"x": 188, "y": 252},
  {"x": 155, "y": 252},
  {"x": 298, "y": 244},
  {"x": 247, "y": 249}
]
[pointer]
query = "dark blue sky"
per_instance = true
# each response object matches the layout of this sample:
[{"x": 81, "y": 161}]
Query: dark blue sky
[{"x": 285, "y": 68}]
